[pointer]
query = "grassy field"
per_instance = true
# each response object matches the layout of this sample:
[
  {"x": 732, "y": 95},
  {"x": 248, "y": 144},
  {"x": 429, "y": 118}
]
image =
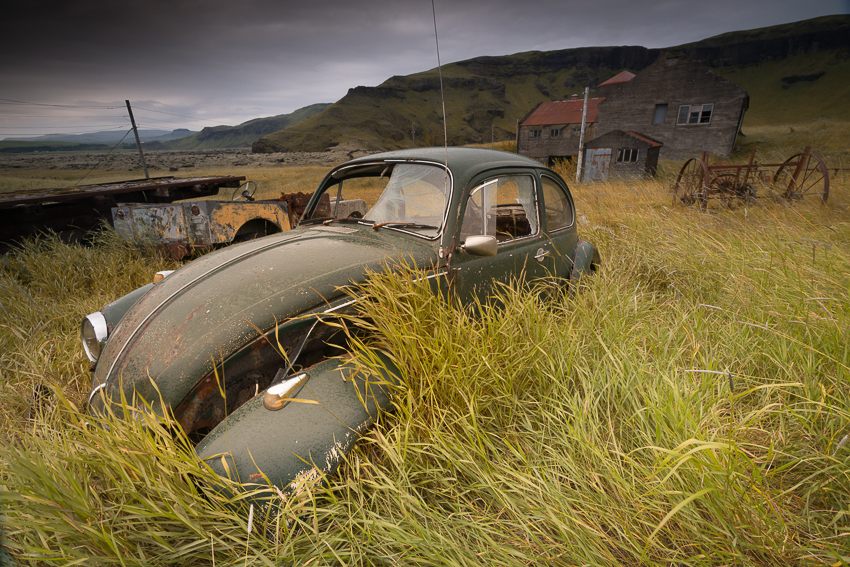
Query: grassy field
[{"x": 690, "y": 405}]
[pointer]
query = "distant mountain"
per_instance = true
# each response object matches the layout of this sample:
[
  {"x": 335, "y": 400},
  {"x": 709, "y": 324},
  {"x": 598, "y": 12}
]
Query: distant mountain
[
  {"x": 793, "y": 72},
  {"x": 213, "y": 137},
  {"x": 242, "y": 135},
  {"x": 110, "y": 137}
]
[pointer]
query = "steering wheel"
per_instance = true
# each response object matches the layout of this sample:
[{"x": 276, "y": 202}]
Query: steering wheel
[{"x": 245, "y": 190}]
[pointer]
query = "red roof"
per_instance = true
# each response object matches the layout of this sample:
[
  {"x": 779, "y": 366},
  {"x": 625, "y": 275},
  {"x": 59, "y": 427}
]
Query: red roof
[
  {"x": 649, "y": 141},
  {"x": 562, "y": 112},
  {"x": 622, "y": 77}
]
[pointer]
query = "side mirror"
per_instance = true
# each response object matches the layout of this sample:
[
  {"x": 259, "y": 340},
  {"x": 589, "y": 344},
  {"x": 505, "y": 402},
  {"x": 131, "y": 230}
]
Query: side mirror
[{"x": 481, "y": 245}]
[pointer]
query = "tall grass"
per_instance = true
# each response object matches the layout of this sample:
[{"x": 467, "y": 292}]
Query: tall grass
[{"x": 688, "y": 406}]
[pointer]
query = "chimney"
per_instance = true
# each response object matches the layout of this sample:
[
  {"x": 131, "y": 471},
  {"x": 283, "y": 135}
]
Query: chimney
[{"x": 575, "y": 98}]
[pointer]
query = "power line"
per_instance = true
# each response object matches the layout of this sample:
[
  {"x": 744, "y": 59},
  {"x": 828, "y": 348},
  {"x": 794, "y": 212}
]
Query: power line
[
  {"x": 66, "y": 133},
  {"x": 14, "y": 102},
  {"x": 180, "y": 115},
  {"x": 23, "y": 102},
  {"x": 15, "y": 114},
  {"x": 103, "y": 158},
  {"x": 168, "y": 121},
  {"x": 111, "y": 126}
]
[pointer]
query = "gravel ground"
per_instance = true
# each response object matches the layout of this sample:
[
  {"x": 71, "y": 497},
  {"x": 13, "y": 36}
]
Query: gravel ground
[{"x": 173, "y": 160}]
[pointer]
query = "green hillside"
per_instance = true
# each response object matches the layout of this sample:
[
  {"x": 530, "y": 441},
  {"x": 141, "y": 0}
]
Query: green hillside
[
  {"x": 242, "y": 135},
  {"x": 794, "y": 90},
  {"x": 793, "y": 72}
]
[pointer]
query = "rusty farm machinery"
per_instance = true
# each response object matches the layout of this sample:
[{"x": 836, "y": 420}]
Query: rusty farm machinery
[{"x": 800, "y": 177}]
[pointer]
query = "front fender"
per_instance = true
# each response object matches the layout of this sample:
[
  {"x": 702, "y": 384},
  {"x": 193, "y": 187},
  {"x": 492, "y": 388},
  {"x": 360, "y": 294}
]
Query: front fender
[
  {"x": 305, "y": 441},
  {"x": 115, "y": 311}
]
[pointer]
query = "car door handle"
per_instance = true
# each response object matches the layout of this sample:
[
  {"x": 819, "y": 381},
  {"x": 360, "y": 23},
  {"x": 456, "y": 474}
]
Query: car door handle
[{"x": 541, "y": 254}]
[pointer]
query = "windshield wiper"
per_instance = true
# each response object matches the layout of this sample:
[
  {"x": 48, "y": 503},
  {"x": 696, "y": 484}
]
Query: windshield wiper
[{"x": 402, "y": 225}]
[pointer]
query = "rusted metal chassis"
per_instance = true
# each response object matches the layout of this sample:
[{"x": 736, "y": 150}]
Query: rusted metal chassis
[
  {"x": 191, "y": 225},
  {"x": 802, "y": 175},
  {"x": 72, "y": 211}
]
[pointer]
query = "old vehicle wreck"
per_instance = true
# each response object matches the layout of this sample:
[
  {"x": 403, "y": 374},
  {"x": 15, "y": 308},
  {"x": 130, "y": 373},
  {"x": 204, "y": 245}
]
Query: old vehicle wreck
[
  {"x": 188, "y": 226},
  {"x": 232, "y": 342}
]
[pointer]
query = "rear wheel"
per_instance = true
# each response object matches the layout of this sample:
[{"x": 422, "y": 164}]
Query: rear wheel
[{"x": 803, "y": 176}]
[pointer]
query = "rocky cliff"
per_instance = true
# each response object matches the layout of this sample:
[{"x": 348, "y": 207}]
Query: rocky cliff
[{"x": 486, "y": 96}]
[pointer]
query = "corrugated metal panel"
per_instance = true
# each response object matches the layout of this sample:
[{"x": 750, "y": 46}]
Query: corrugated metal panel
[
  {"x": 622, "y": 77},
  {"x": 563, "y": 112}
]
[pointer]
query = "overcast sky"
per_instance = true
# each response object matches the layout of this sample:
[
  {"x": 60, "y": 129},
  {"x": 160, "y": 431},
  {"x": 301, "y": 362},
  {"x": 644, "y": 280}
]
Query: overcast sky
[{"x": 224, "y": 61}]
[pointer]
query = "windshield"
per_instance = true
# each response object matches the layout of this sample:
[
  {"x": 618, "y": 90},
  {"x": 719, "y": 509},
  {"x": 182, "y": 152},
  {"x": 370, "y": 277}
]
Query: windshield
[{"x": 416, "y": 196}]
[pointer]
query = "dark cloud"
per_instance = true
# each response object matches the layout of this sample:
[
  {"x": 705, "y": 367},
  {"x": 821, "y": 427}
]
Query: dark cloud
[{"x": 226, "y": 62}]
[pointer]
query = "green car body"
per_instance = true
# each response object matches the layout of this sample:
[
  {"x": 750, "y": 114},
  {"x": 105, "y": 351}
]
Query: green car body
[{"x": 207, "y": 340}]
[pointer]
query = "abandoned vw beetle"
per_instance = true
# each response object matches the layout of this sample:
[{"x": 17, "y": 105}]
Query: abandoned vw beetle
[{"x": 208, "y": 340}]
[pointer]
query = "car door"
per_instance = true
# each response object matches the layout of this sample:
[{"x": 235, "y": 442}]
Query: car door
[
  {"x": 559, "y": 223},
  {"x": 504, "y": 207}
]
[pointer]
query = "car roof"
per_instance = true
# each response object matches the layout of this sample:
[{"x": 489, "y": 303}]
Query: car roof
[{"x": 464, "y": 162}]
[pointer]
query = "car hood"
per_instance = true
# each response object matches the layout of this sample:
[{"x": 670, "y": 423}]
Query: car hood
[{"x": 212, "y": 307}]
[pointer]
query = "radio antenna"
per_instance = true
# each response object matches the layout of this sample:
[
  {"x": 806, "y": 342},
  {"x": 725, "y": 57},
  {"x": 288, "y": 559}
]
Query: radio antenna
[{"x": 442, "y": 97}]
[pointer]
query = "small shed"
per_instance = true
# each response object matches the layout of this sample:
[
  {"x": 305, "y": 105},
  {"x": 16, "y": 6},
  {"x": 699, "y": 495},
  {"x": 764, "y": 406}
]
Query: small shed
[{"x": 620, "y": 154}]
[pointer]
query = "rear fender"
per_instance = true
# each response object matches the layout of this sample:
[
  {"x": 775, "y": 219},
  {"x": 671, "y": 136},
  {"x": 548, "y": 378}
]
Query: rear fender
[{"x": 585, "y": 261}]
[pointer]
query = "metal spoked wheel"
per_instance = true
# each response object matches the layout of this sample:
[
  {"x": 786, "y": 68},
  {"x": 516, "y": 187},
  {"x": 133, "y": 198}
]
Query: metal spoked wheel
[
  {"x": 727, "y": 187},
  {"x": 803, "y": 176},
  {"x": 692, "y": 183}
]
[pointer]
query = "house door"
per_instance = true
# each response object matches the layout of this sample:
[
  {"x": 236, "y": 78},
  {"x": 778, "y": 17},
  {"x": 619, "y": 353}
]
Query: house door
[{"x": 598, "y": 161}]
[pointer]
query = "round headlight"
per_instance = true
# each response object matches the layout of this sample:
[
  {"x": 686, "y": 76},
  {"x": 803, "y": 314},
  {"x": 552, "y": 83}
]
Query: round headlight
[{"x": 93, "y": 334}]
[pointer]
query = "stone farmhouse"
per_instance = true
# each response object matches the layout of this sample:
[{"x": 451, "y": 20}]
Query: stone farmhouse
[
  {"x": 676, "y": 102},
  {"x": 552, "y": 130}
]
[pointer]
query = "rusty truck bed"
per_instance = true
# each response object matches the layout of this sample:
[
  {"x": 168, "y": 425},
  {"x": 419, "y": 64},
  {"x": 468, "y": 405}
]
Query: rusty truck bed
[{"x": 73, "y": 211}]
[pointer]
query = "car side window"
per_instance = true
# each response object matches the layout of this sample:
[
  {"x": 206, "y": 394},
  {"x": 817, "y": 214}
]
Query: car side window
[
  {"x": 504, "y": 207},
  {"x": 559, "y": 210}
]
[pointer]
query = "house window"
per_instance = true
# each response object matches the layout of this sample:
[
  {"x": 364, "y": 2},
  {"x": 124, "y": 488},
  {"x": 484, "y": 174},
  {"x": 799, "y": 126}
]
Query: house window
[
  {"x": 535, "y": 133},
  {"x": 576, "y": 132},
  {"x": 627, "y": 155},
  {"x": 555, "y": 132},
  {"x": 660, "y": 114},
  {"x": 695, "y": 114}
]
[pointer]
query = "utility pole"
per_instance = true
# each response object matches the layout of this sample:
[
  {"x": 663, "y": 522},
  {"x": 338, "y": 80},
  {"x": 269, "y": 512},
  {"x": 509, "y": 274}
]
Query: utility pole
[
  {"x": 517, "y": 135},
  {"x": 138, "y": 142},
  {"x": 581, "y": 138}
]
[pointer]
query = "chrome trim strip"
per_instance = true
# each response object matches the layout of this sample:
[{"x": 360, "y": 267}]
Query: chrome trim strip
[
  {"x": 93, "y": 392},
  {"x": 346, "y": 304}
]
